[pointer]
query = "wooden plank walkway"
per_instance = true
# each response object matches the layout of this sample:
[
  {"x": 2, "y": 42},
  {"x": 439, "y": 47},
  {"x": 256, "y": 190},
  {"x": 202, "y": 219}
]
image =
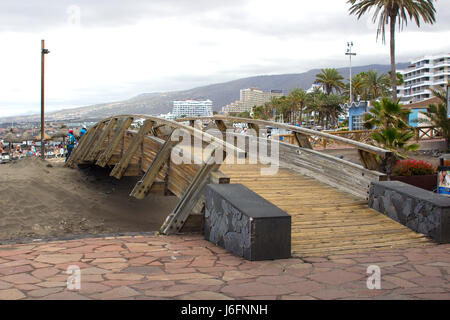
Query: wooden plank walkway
[{"x": 325, "y": 221}]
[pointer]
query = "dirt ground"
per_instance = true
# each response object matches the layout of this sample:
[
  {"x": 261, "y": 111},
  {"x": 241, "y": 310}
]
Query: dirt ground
[{"x": 43, "y": 199}]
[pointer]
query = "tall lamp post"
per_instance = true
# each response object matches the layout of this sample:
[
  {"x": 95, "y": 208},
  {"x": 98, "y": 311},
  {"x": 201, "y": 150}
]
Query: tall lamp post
[
  {"x": 43, "y": 53},
  {"x": 350, "y": 54}
]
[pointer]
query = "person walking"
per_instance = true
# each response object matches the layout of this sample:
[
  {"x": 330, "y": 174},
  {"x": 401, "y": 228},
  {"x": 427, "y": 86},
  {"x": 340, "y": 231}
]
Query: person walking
[
  {"x": 70, "y": 144},
  {"x": 83, "y": 131}
]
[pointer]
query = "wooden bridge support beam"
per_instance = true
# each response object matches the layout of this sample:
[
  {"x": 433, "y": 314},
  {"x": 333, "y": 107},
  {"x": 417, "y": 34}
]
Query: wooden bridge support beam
[
  {"x": 142, "y": 188},
  {"x": 118, "y": 136},
  {"x": 253, "y": 126},
  {"x": 176, "y": 220},
  {"x": 122, "y": 165},
  {"x": 369, "y": 160},
  {"x": 302, "y": 140},
  {"x": 221, "y": 125},
  {"x": 92, "y": 155},
  {"x": 84, "y": 145},
  {"x": 88, "y": 144}
]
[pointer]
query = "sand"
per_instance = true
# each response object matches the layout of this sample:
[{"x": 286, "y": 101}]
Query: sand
[{"x": 43, "y": 199}]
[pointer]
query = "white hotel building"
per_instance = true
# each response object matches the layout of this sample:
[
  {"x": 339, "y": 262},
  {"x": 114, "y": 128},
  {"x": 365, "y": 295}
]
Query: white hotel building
[
  {"x": 192, "y": 108},
  {"x": 423, "y": 74}
]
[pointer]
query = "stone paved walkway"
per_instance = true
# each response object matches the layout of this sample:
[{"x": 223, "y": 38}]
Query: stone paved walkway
[{"x": 188, "y": 267}]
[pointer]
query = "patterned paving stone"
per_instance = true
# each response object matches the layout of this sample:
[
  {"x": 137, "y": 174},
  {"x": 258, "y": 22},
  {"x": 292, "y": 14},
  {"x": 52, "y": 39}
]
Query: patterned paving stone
[
  {"x": 11, "y": 294},
  {"x": 116, "y": 293},
  {"x": 205, "y": 295},
  {"x": 188, "y": 267},
  {"x": 43, "y": 292},
  {"x": 58, "y": 258},
  {"x": 336, "y": 277},
  {"x": 253, "y": 289},
  {"x": 20, "y": 278}
]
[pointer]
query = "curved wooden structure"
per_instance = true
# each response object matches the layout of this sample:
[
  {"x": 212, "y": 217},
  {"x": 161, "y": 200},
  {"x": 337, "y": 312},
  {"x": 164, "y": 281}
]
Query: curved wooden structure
[
  {"x": 325, "y": 196},
  {"x": 111, "y": 142}
]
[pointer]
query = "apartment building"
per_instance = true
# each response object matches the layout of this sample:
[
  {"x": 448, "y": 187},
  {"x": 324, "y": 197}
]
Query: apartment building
[
  {"x": 422, "y": 75},
  {"x": 250, "y": 98},
  {"x": 192, "y": 108}
]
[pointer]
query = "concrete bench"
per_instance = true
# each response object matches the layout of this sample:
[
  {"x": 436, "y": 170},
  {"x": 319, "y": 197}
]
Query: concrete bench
[
  {"x": 420, "y": 210},
  {"x": 246, "y": 224}
]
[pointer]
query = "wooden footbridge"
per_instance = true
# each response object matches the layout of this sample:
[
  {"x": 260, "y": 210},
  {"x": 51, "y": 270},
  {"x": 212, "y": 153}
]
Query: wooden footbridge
[{"x": 326, "y": 196}]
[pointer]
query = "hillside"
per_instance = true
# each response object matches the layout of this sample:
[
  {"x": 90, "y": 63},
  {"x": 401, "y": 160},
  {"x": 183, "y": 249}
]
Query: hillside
[{"x": 221, "y": 94}]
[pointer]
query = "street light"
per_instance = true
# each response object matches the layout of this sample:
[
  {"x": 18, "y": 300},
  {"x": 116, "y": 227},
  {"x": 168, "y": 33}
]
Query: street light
[
  {"x": 350, "y": 54},
  {"x": 43, "y": 53}
]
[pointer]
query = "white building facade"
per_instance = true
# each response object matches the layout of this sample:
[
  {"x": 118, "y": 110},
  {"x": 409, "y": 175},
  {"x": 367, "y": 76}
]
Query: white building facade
[
  {"x": 422, "y": 75},
  {"x": 192, "y": 108},
  {"x": 249, "y": 98}
]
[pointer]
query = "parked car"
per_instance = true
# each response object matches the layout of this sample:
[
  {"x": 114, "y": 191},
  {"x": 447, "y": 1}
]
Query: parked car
[{"x": 5, "y": 157}]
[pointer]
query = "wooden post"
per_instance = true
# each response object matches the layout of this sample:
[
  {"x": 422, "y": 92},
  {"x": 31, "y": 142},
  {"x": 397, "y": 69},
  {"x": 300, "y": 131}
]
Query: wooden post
[
  {"x": 302, "y": 140},
  {"x": 121, "y": 167},
  {"x": 84, "y": 145},
  {"x": 142, "y": 188},
  {"x": 221, "y": 125},
  {"x": 88, "y": 146},
  {"x": 253, "y": 126},
  {"x": 192, "y": 195},
  {"x": 118, "y": 136},
  {"x": 92, "y": 155},
  {"x": 368, "y": 160}
]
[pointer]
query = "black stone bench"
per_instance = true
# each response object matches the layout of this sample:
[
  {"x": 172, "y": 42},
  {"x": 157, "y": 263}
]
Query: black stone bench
[
  {"x": 246, "y": 224},
  {"x": 420, "y": 210}
]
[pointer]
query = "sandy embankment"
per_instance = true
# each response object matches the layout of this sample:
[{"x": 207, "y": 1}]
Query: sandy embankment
[{"x": 43, "y": 199}]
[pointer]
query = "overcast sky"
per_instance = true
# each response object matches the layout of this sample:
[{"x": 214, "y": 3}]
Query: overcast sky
[{"x": 109, "y": 50}]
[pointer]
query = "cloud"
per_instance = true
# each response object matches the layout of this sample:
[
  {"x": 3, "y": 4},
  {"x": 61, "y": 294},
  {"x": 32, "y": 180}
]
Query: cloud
[{"x": 114, "y": 50}]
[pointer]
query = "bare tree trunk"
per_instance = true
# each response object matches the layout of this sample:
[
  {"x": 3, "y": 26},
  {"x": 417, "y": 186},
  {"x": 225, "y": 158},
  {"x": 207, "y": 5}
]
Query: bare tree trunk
[{"x": 393, "y": 67}]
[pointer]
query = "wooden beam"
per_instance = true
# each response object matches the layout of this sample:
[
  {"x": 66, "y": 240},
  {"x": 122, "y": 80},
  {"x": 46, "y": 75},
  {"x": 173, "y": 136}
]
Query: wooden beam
[
  {"x": 89, "y": 144},
  {"x": 92, "y": 155},
  {"x": 368, "y": 160},
  {"x": 118, "y": 137},
  {"x": 141, "y": 189},
  {"x": 218, "y": 177},
  {"x": 84, "y": 145},
  {"x": 308, "y": 132},
  {"x": 302, "y": 140},
  {"x": 121, "y": 167},
  {"x": 253, "y": 126},
  {"x": 87, "y": 135},
  {"x": 175, "y": 221},
  {"x": 221, "y": 125}
]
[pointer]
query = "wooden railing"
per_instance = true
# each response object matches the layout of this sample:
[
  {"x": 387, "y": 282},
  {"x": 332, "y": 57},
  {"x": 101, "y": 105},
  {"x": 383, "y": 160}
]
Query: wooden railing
[
  {"x": 372, "y": 157},
  {"x": 319, "y": 142},
  {"x": 421, "y": 133},
  {"x": 425, "y": 133}
]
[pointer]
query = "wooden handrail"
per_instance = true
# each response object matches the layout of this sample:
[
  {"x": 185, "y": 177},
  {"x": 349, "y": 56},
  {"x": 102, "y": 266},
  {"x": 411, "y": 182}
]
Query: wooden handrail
[
  {"x": 193, "y": 131},
  {"x": 301, "y": 130}
]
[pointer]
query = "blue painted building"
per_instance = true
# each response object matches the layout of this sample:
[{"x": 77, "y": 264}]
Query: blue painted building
[{"x": 356, "y": 111}]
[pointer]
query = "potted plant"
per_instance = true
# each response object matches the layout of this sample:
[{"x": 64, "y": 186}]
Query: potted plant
[{"x": 416, "y": 172}]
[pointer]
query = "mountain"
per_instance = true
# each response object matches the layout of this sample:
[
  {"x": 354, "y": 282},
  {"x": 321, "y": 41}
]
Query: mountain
[{"x": 221, "y": 94}]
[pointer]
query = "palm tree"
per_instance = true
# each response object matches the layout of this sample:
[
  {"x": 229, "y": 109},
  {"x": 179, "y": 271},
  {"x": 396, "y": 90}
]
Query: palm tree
[
  {"x": 377, "y": 85},
  {"x": 359, "y": 86},
  {"x": 394, "y": 132},
  {"x": 389, "y": 12},
  {"x": 330, "y": 79},
  {"x": 437, "y": 114},
  {"x": 299, "y": 98}
]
